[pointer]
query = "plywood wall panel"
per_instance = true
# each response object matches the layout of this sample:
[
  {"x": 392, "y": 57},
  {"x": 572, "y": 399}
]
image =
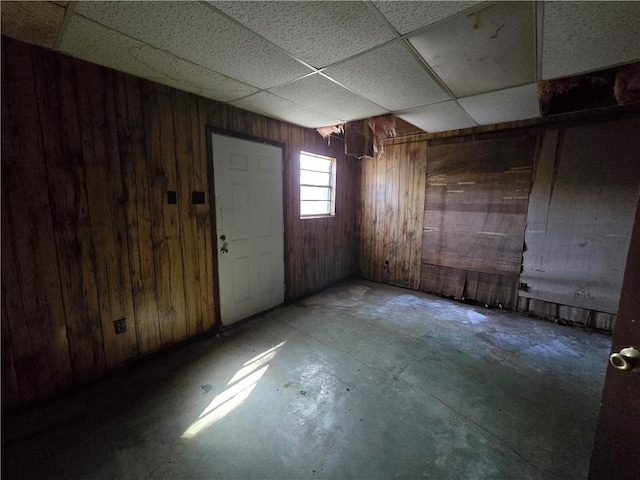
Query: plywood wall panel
[
  {"x": 136, "y": 193},
  {"x": 10, "y": 391},
  {"x": 494, "y": 290},
  {"x": 174, "y": 319},
  {"x": 20, "y": 387},
  {"x": 164, "y": 216},
  {"x": 70, "y": 214},
  {"x": 185, "y": 166},
  {"x": 205, "y": 229},
  {"x": 390, "y": 213},
  {"x": 35, "y": 289},
  {"x": 476, "y": 204},
  {"x": 96, "y": 106},
  {"x": 475, "y": 215},
  {"x": 581, "y": 213}
]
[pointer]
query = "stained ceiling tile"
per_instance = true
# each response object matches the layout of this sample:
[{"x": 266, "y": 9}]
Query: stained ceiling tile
[
  {"x": 407, "y": 17},
  {"x": 487, "y": 50},
  {"x": 196, "y": 32},
  {"x": 319, "y": 33},
  {"x": 97, "y": 44},
  {"x": 390, "y": 76},
  {"x": 581, "y": 37},
  {"x": 32, "y": 22},
  {"x": 273, "y": 106},
  {"x": 508, "y": 105},
  {"x": 438, "y": 118},
  {"x": 323, "y": 95}
]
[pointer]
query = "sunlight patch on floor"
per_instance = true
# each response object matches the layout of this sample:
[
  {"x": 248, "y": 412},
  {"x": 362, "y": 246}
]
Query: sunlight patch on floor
[{"x": 239, "y": 388}]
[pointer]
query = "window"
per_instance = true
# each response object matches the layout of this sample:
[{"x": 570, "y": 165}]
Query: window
[{"x": 317, "y": 185}]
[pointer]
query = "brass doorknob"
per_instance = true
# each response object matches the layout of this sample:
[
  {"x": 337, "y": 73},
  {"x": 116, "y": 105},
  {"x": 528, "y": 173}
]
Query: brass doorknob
[{"x": 627, "y": 359}]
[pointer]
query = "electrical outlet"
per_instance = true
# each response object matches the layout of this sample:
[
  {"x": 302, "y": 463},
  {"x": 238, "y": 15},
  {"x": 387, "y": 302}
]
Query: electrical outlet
[
  {"x": 197, "y": 198},
  {"x": 120, "y": 326}
]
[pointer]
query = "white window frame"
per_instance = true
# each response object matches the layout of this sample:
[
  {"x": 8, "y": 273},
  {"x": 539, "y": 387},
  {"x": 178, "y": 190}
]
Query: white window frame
[{"x": 331, "y": 186}]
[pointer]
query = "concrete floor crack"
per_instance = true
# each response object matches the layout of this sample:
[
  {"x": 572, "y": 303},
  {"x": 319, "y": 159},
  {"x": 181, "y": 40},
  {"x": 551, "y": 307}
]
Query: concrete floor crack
[
  {"x": 397, "y": 377},
  {"x": 471, "y": 420}
]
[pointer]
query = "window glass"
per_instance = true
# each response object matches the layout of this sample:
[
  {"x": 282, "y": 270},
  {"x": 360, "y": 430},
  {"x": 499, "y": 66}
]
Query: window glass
[{"x": 317, "y": 185}]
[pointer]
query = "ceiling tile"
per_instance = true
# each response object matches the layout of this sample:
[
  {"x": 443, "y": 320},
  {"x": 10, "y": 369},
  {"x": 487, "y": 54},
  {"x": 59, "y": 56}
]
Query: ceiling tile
[
  {"x": 410, "y": 16},
  {"x": 282, "y": 109},
  {"x": 438, "y": 118},
  {"x": 390, "y": 76},
  {"x": 490, "y": 49},
  {"x": 196, "y": 32},
  {"x": 323, "y": 95},
  {"x": 585, "y": 36},
  {"x": 319, "y": 33},
  {"x": 508, "y": 105},
  {"x": 97, "y": 44},
  {"x": 38, "y": 23}
]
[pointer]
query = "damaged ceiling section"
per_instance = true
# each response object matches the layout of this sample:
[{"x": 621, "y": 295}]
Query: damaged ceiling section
[
  {"x": 609, "y": 87},
  {"x": 603, "y": 88},
  {"x": 363, "y": 138},
  {"x": 331, "y": 130},
  {"x": 439, "y": 66}
]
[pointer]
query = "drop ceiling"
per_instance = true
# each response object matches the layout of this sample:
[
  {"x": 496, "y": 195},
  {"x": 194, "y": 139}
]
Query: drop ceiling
[{"x": 437, "y": 65}]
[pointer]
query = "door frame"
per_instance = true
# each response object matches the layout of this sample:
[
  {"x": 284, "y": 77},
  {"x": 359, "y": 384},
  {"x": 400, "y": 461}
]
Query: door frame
[{"x": 217, "y": 326}]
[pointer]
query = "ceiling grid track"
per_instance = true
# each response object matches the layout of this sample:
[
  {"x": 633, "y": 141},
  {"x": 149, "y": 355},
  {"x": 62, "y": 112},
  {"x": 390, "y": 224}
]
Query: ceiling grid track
[{"x": 438, "y": 65}]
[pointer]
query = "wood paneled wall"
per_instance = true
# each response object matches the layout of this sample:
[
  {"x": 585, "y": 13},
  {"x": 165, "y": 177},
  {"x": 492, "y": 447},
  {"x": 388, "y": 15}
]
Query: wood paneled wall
[
  {"x": 472, "y": 234},
  {"x": 88, "y": 237},
  {"x": 390, "y": 213}
]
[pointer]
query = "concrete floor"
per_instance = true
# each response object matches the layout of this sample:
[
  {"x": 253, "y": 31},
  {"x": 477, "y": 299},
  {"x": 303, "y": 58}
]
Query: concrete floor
[{"x": 360, "y": 381}]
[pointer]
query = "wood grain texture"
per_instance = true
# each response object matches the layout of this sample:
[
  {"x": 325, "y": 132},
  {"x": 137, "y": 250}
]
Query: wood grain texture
[
  {"x": 32, "y": 283},
  {"x": 131, "y": 142},
  {"x": 390, "y": 213},
  {"x": 458, "y": 284},
  {"x": 88, "y": 237},
  {"x": 475, "y": 214},
  {"x": 12, "y": 308},
  {"x": 173, "y": 322},
  {"x": 204, "y": 234},
  {"x": 476, "y": 204},
  {"x": 70, "y": 212},
  {"x": 187, "y": 212},
  {"x": 96, "y": 106}
]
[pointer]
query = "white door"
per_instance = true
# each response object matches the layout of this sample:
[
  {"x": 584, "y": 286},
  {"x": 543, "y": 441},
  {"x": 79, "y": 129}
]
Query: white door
[{"x": 249, "y": 226}]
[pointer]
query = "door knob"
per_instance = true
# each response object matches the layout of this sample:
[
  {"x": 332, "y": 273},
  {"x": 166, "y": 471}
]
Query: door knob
[{"x": 627, "y": 359}]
